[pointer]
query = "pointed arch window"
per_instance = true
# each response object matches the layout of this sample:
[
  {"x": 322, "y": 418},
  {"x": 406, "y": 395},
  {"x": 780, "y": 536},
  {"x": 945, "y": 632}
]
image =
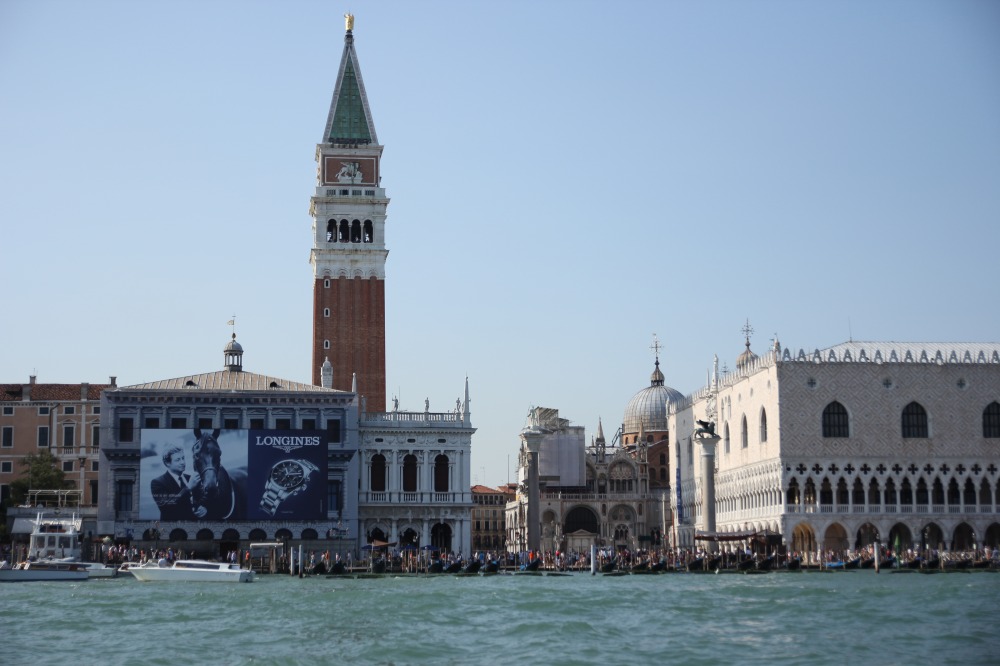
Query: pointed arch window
[
  {"x": 726, "y": 438},
  {"x": 763, "y": 426},
  {"x": 743, "y": 432},
  {"x": 836, "y": 423},
  {"x": 991, "y": 420},
  {"x": 914, "y": 421}
]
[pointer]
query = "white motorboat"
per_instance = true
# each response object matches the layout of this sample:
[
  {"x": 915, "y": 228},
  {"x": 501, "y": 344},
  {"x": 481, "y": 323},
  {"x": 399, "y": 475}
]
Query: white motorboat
[
  {"x": 191, "y": 570},
  {"x": 42, "y": 570},
  {"x": 55, "y": 539}
]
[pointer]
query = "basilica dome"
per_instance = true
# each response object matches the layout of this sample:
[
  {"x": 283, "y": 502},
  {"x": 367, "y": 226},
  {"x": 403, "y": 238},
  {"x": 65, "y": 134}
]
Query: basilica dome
[{"x": 648, "y": 407}]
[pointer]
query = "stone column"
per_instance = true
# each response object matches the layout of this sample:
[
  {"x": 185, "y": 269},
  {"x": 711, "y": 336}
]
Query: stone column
[
  {"x": 532, "y": 438},
  {"x": 708, "y": 445}
]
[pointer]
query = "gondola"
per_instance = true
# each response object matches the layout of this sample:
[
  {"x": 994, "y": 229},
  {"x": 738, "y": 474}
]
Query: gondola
[
  {"x": 532, "y": 565},
  {"x": 766, "y": 564},
  {"x": 640, "y": 567},
  {"x": 746, "y": 564},
  {"x": 472, "y": 567},
  {"x": 491, "y": 567},
  {"x": 853, "y": 564},
  {"x": 378, "y": 566},
  {"x": 658, "y": 566},
  {"x": 609, "y": 566},
  {"x": 437, "y": 566},
  {"x": 337, "y": 568},
  {"x": 454, "y": 567},
  {"x": 794, "y": 564}
]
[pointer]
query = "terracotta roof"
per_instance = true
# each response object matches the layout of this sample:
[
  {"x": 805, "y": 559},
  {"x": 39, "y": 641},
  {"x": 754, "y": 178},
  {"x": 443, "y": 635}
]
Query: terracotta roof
[{"x": 50, "y": 392}]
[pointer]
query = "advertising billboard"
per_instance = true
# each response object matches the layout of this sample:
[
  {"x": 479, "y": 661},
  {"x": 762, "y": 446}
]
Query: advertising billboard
[{"x": 205, "y": 474}]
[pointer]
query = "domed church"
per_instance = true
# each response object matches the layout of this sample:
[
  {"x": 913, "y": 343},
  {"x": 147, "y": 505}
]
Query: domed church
[{"x": 645, "y": 420}]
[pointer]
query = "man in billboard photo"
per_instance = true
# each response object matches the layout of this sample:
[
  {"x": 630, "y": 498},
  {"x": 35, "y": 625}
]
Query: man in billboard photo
[{"x": 172, "y": 490}]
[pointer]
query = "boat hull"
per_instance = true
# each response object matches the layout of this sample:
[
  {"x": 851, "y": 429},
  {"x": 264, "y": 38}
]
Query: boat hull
[{"x": 192, "y": 571}]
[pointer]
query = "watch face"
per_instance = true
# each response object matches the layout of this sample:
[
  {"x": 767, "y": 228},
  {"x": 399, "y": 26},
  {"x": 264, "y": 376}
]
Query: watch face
[{"x": 288, "y": 474}]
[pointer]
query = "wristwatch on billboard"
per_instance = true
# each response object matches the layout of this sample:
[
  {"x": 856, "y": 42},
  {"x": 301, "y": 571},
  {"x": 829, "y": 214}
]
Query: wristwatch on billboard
[{"x": 287, "y": 478}]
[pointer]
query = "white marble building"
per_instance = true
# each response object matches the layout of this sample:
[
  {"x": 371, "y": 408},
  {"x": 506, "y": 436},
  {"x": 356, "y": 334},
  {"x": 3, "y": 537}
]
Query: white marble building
[
  {"x": 415, "y": 483},
  {"x": 837, "y": 447}
]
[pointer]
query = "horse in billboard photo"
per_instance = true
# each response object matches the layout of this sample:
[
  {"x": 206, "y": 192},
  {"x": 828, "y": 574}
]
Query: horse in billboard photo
[{"x": 220, "y": 493}]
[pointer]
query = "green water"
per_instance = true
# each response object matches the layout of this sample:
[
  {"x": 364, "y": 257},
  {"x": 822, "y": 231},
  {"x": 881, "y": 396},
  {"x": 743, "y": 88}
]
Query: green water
[{"x": 779, "y": 618}]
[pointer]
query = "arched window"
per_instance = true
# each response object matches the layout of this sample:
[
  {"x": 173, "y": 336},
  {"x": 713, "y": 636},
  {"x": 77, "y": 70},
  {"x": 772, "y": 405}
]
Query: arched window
[
  {"x": 914, "y": 420},
  {"x": 331, "y": 231},
  {"x": 441, "y": 474},
  {"x": 355, "y": 231},
  {"x": 858, "y": 493},
  {"x": 743, "y": 432},
  {"x": 663, "y": 458},
  {"x": 763, "y": 426},
  {"x": 835, "y": 421},
  {"x": 726, "y": 437},
  {"x": 345, "y": 231},
  {"x": 378, "y": 473},
  {"x": 663, "y": 474},
  {"x": 991, "y": 420},
  {"x": 410, "y": 474},
  {"x": 369, "y": 236},
  {"x": 890, "y": 492}
]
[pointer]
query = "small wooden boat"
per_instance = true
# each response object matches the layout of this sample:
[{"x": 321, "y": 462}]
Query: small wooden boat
[
  {"x": 491, "y": 567},
  {"x": 437, "y": 566},
  {"x": 794, "y": 564},
  {"x": 853, "y": 564},
  {"x": 532, "y": 565},
  {"x": 471, "y": 568}
]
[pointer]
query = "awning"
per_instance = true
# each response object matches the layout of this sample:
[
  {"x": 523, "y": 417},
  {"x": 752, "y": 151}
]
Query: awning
[{"x": 733, "y": 536}]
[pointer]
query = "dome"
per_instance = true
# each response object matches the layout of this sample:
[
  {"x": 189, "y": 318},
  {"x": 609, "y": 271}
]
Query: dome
[
  {"x": 746, "y": 358},
  {"x": 233, "y": 346},
  {"x": 648, "y": 407}
]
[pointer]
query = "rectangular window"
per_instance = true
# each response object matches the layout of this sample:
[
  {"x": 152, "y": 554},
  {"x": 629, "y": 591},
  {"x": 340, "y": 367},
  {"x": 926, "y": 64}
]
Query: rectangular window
[
  {"x": 125, "y": 430},
  {"x": 95, "y": 436},
  {"x": 308, "y": 424},
  {"x": 69, "y": 409},
  {"x": 231, "y": 424},
  {"x": 67, "y": 465},
  {"x": 93, "y": 466},
  {"x": 8, "y": 437},
  {"x": 333, "y": 430},
  {"x": 283, "y": 424},
  {"x": 178, "y": 422},
  {"x": 123, "y": 495},
  {"x": 43, "y": 436},
  {"x": 8, "y": 411},
  {"x": 43, "y": 411},
  {"x": 256, "y": 424},
  {"x": 69, "y": 436},
  {"x": 151, "y": 422},
  {"x": 96, "y": 410},
  {"x": 93, "y": 491},
  {"x": 7, "y": 467},
  {"x": 205, "y": 423}
]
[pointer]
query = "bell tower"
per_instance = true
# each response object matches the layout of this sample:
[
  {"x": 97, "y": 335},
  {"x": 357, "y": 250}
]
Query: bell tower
[{"x": 348, "y": 252}]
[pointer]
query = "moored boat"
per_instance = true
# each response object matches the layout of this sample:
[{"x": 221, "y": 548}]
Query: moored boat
[
  {"x": 43, "y": 570},
  {"x": 191, "y": 570}
]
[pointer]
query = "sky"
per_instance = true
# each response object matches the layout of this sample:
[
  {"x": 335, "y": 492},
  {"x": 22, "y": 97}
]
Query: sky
[{"x": 567, "y": 179}]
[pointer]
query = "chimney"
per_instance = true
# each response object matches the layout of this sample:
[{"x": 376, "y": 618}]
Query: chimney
[
  {"x": 112, "y": 381},
  {"x": 84, "y": 390},
  {"x": 26, "y": 392}
]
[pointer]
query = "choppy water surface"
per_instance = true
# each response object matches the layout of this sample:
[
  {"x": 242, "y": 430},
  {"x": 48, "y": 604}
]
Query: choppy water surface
[{"x": 785, "y": 618}]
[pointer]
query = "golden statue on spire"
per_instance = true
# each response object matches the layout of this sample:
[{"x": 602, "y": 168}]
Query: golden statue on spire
[{"x": 349, "y": 21}]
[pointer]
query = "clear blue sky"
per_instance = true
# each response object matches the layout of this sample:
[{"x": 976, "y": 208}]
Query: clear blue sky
[{"x": 567, "y": 178}]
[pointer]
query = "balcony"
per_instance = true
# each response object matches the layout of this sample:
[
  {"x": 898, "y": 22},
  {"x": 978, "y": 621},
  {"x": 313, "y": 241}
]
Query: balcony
[{"x": 411, "y": 498}]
